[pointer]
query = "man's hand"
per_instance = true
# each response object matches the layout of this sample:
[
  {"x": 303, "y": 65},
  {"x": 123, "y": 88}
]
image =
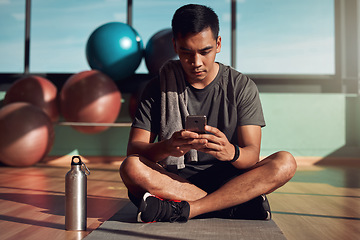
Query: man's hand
[
  {"x": 182, "y": 141},
  {"x": 216, "y": 144}
]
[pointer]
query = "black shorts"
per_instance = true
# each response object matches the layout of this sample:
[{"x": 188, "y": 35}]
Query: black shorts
[{"x": 208, "y": 180}]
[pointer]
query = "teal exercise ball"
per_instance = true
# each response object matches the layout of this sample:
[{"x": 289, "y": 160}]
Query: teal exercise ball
[{"x": 115, "y": 49}]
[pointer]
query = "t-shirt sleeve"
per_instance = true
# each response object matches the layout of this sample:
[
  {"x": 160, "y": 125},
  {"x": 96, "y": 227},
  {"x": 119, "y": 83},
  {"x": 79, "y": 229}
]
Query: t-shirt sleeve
[
  {"x": 148, "y": 113},
  {"x": 249, "y": 105}
]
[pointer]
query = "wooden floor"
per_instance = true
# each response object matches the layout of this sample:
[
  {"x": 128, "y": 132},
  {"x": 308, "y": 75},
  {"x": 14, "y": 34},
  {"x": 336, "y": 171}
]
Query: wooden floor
[{"x": 319, "y": 203}]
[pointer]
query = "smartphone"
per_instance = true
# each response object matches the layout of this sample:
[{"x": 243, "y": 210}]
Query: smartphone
[{"x": 195, "y": 123}]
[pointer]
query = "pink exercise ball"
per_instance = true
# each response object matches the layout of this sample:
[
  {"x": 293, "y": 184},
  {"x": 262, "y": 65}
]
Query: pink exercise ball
[
  {"x": 90, "y": 97},
  {"x": 27, "y": 134},
  {"x": 36, "y": 90}
]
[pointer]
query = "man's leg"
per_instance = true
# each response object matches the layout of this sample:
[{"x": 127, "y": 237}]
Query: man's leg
[
  {"x": 141, "y": 175},
  {"x": 265, "y": 177}
]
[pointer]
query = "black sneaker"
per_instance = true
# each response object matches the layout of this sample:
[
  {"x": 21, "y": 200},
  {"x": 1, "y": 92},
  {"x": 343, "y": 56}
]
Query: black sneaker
[
  {"x": 255, "y": 209},
  {"x": 155, "y": 209}
]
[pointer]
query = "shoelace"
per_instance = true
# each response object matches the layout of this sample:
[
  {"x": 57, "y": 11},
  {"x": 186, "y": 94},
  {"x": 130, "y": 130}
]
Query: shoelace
[{"x": 177, "y": 211}]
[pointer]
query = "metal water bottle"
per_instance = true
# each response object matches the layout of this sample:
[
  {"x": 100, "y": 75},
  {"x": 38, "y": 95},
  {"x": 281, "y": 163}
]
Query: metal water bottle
[{"x": 76, "y": 195}]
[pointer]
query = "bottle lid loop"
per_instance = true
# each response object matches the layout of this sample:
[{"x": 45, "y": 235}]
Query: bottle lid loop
[{"x": 79, "y": 162}]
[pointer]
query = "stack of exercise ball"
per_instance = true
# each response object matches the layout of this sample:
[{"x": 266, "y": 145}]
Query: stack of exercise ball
[
  {"x": 26, "y": 121},
  {"x": 33, "y": 104},
  {"x": 116, "y": 49}
]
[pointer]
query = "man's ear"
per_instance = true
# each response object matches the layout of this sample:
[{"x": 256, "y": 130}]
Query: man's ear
[{"x": 218, "y": 44}]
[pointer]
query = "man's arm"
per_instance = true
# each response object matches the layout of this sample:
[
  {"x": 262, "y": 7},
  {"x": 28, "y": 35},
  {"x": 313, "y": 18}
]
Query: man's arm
[
  {"x": 142, "y": 142},
  {"x": 249, "y": 138}
]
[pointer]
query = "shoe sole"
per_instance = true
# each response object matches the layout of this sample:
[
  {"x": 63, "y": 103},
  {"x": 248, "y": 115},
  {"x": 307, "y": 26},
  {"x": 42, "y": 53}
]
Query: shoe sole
[
  {"x": 143, "y": 206},
  {"x": 268, "y": 217}
]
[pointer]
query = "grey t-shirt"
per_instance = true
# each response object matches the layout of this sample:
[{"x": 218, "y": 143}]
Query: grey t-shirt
[{"x": 231, "y": 100}]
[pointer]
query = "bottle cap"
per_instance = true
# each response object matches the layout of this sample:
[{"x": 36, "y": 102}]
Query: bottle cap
[
  {"x": 80, "y": 163},
  {"x": 76, "y": 162}
]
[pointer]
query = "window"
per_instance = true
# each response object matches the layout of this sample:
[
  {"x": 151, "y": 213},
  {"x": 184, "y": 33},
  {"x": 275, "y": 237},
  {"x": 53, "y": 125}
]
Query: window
[
  {"x": 273, "y": 37},
  {"x": 12, "y": 32},
  {"x": 60, "y": 30},
  {"x": 285, "y": 37}
]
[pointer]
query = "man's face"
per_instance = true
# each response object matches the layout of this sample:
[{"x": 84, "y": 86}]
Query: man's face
[{"x": 197, "y": 54}]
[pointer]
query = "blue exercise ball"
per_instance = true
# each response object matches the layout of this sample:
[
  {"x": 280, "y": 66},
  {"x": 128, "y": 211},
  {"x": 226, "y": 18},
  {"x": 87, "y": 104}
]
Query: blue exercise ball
[
  {"x": 115, "y": 49},
  {"x": 159, "y": 49}
]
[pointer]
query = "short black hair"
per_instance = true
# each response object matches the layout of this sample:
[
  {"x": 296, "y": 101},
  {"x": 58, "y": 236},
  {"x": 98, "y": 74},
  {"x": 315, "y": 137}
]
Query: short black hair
[{"x": 194, "y": 18}]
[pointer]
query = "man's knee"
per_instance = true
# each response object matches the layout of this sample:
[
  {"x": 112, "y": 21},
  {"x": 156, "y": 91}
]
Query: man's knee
[
  {"x": 285, "y": 164},
  {"x": 133, "y": 174},
  {"x": 130, "y": 167}
]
